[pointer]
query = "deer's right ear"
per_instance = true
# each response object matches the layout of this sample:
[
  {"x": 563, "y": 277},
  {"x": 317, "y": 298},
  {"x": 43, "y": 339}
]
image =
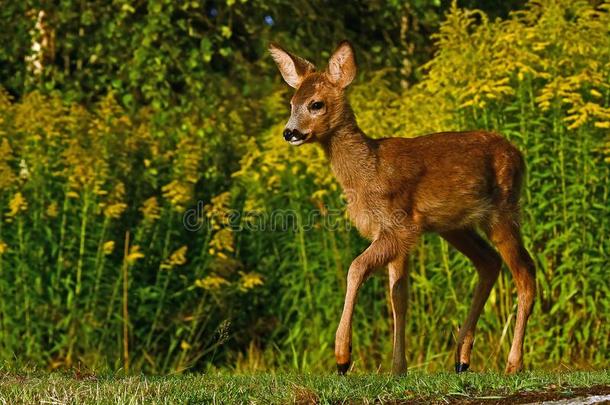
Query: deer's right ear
[{"x": 292, "y": 68}]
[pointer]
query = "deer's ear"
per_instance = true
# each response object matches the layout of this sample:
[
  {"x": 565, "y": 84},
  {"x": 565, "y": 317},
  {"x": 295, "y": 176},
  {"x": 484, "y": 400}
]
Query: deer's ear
[
  {"x": 292, "y": 68},
  {"x": 342, "y": 65}
]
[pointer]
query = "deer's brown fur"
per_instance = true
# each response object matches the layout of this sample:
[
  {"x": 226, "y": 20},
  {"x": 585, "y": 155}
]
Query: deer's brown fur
[{"x": 398, "y": 188}]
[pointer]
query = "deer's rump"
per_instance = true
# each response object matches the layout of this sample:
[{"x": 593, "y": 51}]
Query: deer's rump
[{"x": 455, "y": 180}]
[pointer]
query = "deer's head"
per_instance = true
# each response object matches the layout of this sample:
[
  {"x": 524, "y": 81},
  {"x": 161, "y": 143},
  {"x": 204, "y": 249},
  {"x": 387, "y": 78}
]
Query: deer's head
[{"x": 319, "y": 105}]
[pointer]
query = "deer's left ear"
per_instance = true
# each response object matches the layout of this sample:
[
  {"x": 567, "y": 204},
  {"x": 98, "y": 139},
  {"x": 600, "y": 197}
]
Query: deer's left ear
[
  {"x": 342, "y": 65},
  {"x": 292, "y": 68}
]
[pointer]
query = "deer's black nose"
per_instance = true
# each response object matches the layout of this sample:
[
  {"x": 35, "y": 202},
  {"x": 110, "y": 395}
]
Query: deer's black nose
[{"x": 287, "y": 134}]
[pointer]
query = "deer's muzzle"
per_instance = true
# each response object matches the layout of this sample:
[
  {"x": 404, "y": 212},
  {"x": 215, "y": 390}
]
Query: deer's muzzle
[{"x": 294, "y": 136}]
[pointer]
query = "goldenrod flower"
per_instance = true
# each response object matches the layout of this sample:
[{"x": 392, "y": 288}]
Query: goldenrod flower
[
  {"x": 222, "y": 241},
  {"x": 178, "y": 258},
  {"x": 150, "y": 209},
  {"x": 178, "y": 193},
  {"x": 115, "y": 210},
  {"x": 108, "y": 247},
  {"x": 250, "y": 280},
  {"x": 16, "y": 205},
  {"x": 134, "y": 254},
  {"x": 52, "y": 210},
  {"x": 218, "y": 210},
  {"x": 211, "y": 282},
  {"x": 596, "y": 93},
  {"x": 7, "y": 176},
  {"x": 24, "y": 171}
]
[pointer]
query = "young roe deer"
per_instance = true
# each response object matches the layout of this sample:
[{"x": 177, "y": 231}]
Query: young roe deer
[{"x": 398, "y": 188}]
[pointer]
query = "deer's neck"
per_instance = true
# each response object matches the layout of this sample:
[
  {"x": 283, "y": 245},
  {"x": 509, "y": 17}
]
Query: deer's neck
[{"x": 351, "y": 154}]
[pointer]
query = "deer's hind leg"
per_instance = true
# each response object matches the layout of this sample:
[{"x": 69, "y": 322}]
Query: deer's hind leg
[
  {"x": 398, "y": 271},
  {"x": 488, "y": 264},
  {"x": 506, "y": 236}
]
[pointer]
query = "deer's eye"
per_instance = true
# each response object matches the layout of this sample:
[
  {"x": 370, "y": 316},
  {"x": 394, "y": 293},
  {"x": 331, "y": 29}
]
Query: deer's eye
[{"x": 317, "y": 105}]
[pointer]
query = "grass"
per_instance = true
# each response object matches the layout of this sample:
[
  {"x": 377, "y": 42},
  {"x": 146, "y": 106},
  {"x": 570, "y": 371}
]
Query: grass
[{"x": 41, "y": 387}]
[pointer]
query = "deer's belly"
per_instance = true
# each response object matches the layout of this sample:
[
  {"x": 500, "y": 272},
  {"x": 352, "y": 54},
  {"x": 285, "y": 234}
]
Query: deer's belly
[{"x": 446, "y": 215}]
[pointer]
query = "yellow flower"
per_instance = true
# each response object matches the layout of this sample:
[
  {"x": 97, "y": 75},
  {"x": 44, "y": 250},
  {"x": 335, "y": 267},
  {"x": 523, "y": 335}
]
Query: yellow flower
[
  {"x": 178, "y": 258},
  {"x": 250, "y": 280},
  {"x": 219, "y": 209},
  {"x": 52, "y": 210},
  {"x": 108, "y": 247},
  {"x": 211, "y": 282},
  {"x": 150, "y": 209},
  {"x": 184, "y": 345},
  {"x": 115, "y": 210},
  {"x": 3, "y": 248},
  {"x": 17, "y": 205},
  {"x": 222, "y": 241},
  {"x": 7, "y": 177},
  {"x": 177, "y": 193},
  {"x": 596, "y": 93},
  {"x": 134, "y": 254}
]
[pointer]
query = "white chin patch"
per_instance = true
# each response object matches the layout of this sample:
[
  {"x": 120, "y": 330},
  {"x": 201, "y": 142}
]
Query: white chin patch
[{"x": 296, "y": 142}]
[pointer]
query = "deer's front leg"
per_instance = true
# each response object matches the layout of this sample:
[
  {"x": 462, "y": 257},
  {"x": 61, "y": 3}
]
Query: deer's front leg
[
  {"x": 343, "y": 338},
  {"x": 381, "y": 252}
]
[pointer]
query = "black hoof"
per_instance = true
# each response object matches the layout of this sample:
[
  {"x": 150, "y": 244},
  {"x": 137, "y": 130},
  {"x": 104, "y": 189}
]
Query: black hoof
[
  {"x": 461, "y": 367},
  {"x": 342, "y": 368}
]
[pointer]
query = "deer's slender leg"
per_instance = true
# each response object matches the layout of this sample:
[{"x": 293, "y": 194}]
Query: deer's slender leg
[
  {"x": 382, "y": 251},
  {"x": 398, "y": 272},
  {"x": 488, "y": 264},
  {"x": 507, "y": 238}
]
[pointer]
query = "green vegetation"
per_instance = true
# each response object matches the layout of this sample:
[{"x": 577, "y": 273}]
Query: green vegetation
[
  {"x": 144, "y": 117},
  {"x": 285, "y": 388}
]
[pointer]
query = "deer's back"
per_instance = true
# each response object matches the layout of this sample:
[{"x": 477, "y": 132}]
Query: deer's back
[{"x": 450, "y": 180}]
